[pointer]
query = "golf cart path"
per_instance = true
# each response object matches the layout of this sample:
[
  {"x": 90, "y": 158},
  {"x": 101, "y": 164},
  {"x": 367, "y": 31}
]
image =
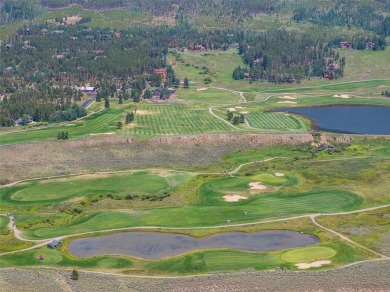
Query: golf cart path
[{"x": 310, "y": 216}]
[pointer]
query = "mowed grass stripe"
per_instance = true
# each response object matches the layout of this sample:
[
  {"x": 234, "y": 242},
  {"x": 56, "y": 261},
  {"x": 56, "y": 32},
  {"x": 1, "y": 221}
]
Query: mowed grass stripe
[
  {"x": 272, "y": 121},
  {"x": 174, "y": 119},
  {"x": 258, "y": 208}
]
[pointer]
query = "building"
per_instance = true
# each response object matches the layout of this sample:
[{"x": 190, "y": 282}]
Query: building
[
  {"x": 54, "y": 244},
  {"x": 345, "y": 45},
  {"x": 162, "y": 72},
  {"x": 88, "y": 90}
]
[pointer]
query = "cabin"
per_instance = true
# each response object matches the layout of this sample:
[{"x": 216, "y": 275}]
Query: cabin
[
  {"x": 88, "y": 90},
  {"x": 370, "y": 45},
  {"x": 197, "y": 48},
  {"x": 162, "y": 72},
  {"x": 54, "y": 244},
  {"x": 329, "y": 74},
  {"x": 156, "y": 93},
  {"x": 345, "y": 45}
]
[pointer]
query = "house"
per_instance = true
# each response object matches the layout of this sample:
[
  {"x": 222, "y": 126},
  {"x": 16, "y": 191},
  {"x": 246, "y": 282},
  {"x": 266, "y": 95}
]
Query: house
[
  {"x": 19, "y": 121},
  {"x": 162, "y": 72},
  {"x": 329, "y": 74},
  {"x": 88, "y": 90},
  {"x": 54, "y": 244},
  {"x": 345, "y": 45},
  {"x": 370, "y": 45},
  {"x": 163, "y": 93},
  {"x": 196, "y": 48}
]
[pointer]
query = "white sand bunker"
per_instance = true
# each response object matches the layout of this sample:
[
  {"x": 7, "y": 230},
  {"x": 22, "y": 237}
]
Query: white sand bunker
[
  {"x": 257, "y": 186},
  {"x": 316, "y": 264},
  {"x": 244, "y": 113},
  {"x": 231, "y": 109},
  {"x": 342, "y": 96},
  {"x": 202, "y": 89},
  {"x": 109, "y": 133},
  {"x": 239, "y": 107},
  {"x": 287, "y": 101},
  {"x": 279, "y": 174},
  {"x": 288, "y": 97},
  {"x": 233, "y": 198}
]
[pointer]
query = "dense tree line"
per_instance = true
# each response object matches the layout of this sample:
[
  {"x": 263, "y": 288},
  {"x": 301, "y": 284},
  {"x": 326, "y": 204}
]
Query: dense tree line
[
  {"x": 44, "y": 104},
  {"x": 282, "y": 56},
  {"x": 349, "y": 13},
  {"x": 11, "y": 10}
]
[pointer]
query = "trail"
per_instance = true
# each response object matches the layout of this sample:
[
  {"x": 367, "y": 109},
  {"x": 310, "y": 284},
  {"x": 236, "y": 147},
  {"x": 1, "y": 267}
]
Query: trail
[
  {"x": 310, "y": 216},
  {"x": 343, "y": 237},
  {"x": 226, "y": 122}
]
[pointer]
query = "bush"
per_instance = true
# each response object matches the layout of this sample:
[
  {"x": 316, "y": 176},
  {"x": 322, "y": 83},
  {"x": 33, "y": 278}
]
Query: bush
[{"x": 75, "y": 275}]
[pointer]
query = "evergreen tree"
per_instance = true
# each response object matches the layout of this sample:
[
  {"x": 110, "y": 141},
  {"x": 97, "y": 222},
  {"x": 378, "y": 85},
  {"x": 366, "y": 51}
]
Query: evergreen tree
[
  {"x": 229, "y": 115},
  {"x": 236, "y": 120},
  {"x": 106, "y": 103},
  {"x": 242, "y": 119},
  {"x": 186, "y": 83},
  {"x": 119, "y": 125}
]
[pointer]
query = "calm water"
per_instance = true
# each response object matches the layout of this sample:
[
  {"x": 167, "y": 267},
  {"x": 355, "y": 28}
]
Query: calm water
[
  {"x": 373, "y": 120},
  {"x": 157, "y": 245}
]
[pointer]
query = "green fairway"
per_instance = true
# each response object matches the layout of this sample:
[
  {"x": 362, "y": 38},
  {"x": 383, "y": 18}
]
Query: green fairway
[
  {"x": 257, "y": 208},
  {"x": 274, "y": 121},
  {"x": 3, "y": 225},
  {"x": 308, "y": 254},
  {"x": 101, "y": 122},
  {"x": 54, "y": 190},
  {"x": 174, "y": 119}
]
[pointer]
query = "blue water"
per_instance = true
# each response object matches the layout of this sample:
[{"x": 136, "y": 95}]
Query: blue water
[
  {"x": 355, "y": 119},
  {"x": 156, "y": 245}
]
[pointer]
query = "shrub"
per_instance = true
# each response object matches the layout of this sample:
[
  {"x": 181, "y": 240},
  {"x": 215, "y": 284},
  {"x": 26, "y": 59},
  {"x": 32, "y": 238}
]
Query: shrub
[{"x": 74, "y": 275}]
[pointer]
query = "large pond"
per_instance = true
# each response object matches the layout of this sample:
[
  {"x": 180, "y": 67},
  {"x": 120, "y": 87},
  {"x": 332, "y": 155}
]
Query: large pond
[
  {"x": 355, "y": 119},
  {"x": 157, "y": 245}
]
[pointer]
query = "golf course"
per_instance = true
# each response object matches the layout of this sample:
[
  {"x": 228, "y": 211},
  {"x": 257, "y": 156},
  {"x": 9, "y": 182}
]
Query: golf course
[{"x": 192, "y": 151}]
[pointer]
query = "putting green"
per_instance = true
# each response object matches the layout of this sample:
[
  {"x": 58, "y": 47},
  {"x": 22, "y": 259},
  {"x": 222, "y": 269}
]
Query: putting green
[
  {"x": 49, "y": 256},
  {"x": 308, "y": 254},
  {"x": 116, "y": 184},
  {"x": 268, "y": 178}
]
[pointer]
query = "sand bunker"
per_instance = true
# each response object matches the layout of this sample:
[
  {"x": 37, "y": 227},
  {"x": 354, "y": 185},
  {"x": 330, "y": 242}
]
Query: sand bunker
[
  {"x": 201, "y": 89},
  {"x": 244, "y": 113},
  {"x": 257, "y": 186},
  {"x": 287, "y": 101},
  {"x": 288, "y": 97},
  {"x": 109, "y": 133},
  {"x": 239, "y": 107},
  {"x": 316, "y": 264},
  {"x": 231, "y": 109},
  {"x": 342, "y": 96},
  {"x": 233, "y": 198},
  {"x": 279, "y": 174}
]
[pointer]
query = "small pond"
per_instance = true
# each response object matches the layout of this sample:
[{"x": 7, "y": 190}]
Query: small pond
[
  {"x": 354, "y": 119},
  {"x": 157, "y": 245}
]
